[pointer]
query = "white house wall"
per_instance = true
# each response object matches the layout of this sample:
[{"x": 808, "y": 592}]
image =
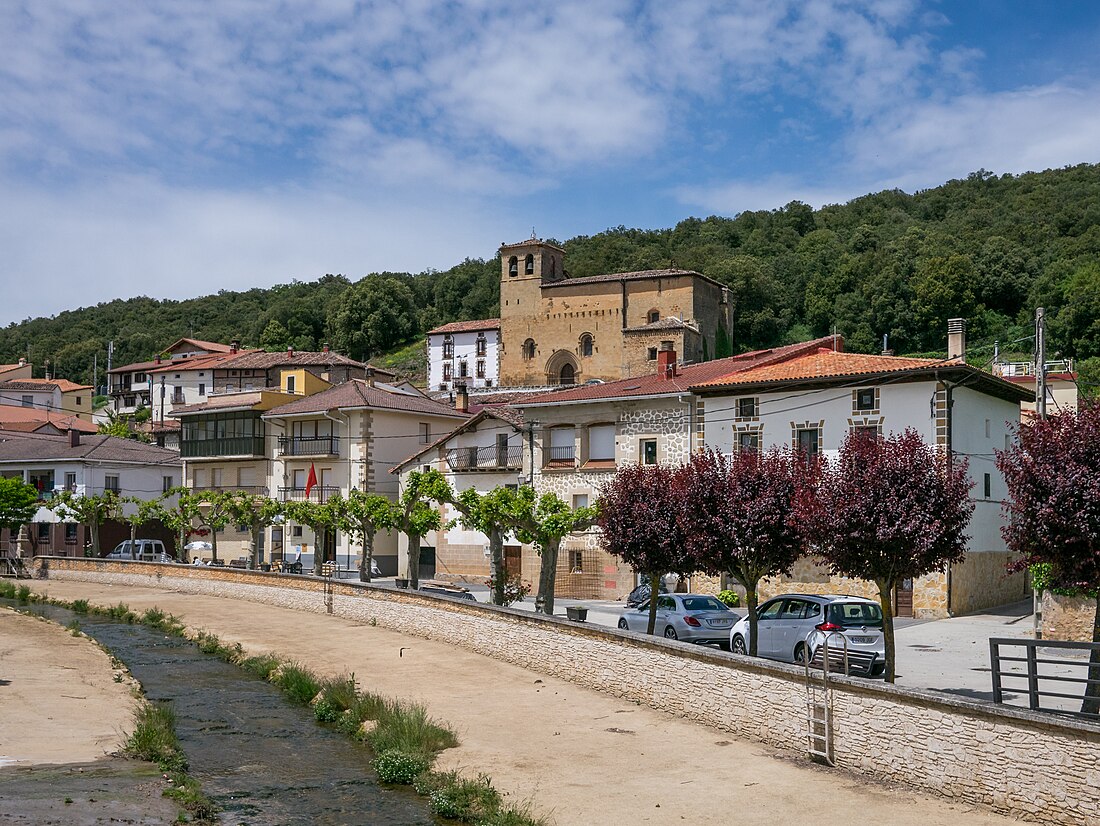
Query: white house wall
[{"x": 465, "y": 349}]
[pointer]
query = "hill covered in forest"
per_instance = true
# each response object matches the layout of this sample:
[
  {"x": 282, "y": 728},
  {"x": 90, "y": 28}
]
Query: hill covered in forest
[{"x": 988, "y": 248}]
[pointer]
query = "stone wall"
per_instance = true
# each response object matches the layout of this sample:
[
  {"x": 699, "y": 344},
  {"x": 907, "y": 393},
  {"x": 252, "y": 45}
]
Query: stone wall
[
  {"x": 982, "y": 580},
  {"x": 1068, "y": 618},
  {"x": 1032, "y": 766}
]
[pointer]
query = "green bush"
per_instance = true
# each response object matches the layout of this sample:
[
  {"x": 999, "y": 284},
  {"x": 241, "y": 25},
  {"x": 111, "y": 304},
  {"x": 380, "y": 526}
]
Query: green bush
[
  {"x": 731, "y": 598},
  {"x": 154, "y": 738},
  {"x": 400, "y": 767},
  {"x": 23, "y": 594},
  {"x": 79, "y": 606},
  {"x": 7, "y": 589},
  {"x": 467, "y": 801}
]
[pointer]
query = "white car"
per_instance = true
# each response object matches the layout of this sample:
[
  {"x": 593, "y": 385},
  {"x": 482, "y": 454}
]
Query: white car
[
  {"x": 143, "y": 550},
  {"x": 793, "y": 627}
]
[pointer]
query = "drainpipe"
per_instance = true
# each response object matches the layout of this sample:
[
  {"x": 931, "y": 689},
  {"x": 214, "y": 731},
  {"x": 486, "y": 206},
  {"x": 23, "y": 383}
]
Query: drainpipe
[{"x": 622, "y": 284}]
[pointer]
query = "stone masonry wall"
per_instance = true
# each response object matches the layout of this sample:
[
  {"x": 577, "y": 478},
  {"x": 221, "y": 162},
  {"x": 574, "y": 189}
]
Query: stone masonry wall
[
  {"x": 1032, "y": 766},
  {"x": 1068, "y": 618}
]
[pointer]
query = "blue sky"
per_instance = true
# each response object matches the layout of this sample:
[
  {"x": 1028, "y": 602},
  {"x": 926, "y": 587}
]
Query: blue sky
[{"x": 175, "y": 149}]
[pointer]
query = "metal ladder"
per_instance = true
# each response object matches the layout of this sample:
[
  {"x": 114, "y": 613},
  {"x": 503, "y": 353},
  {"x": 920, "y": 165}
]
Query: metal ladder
[{"x": 819, "y": 703}]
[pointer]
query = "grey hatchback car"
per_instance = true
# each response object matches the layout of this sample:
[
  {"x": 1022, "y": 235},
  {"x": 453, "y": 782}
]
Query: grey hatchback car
[{"x": 698, "y": 618}]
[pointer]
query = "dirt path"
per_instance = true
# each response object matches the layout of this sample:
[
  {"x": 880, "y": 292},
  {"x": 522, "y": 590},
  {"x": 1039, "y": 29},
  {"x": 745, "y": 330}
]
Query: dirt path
[{"x": 578, "y": 755}]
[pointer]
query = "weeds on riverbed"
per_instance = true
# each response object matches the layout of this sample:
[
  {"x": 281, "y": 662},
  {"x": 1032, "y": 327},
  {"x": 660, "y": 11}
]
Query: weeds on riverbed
[
  {"x": 79, "y": 606},
  {"x": 261, "y": 665},
  {"x": 154, "y": 740},
  {"x": 7, "y": 589},
  {"x": 156, "y": 618}
]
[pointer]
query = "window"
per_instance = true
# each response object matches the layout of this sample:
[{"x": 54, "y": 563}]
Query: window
[
  {"x": 481, "y": 344},
  {"x": 561, "y": 445},
  {"x": 580, "y": 500},
  {"x": 748, "y": 442},
  {"x": 649, "y": 451},
  {"x": 529, "y": 265},
  {"x": 290, "y": 383},
  {"x": 111, "y": 483},
  {"x": 70, "y": 533},
  {"x": 79, "y": 401},
  {"x": 771, "y": 610},
  {"x": 463, "y": 370},
  {"x": 988, "y": 486},
  {"x": 601, "y": 443},
  {"x": 70, "y": 481},
  {"x": 865, "y": 399},
  {"x": 446, "y": 372},
  {"x": 296, "y": 531},
  {"x": 245, "y": 477},
  {"x": 480, "y": 368},
  {"x": 987, "y": 428},
  {"x": 448, "y": 347},
  {"x": 425, "y": 433},
  {"x": 867, "y": 431},
  {"x": 586, "y": 345},
  {"x": 529, "y": 349},
  {"x": 576, "y": 562},
  {"x": 513, "y": 266},
  {"x": 43, "y": 531},
  {"x": 746, "y": 408},
  {"x": 167, "y": 483},
  {"x": 202, "y": 389},
  {"x": 28, "y": 401},
  {"x": 653, "y": 316},
  {"x": 807, "y": 442},
  {"x": 652, "y": 354}
]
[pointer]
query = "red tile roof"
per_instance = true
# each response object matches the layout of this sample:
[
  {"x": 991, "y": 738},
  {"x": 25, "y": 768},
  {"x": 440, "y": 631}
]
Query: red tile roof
[
  {"x": 212, "y": 346},
  {"x": 467, "y": 326},
  {"x": 201, "y": 362},
  {"x": 529, "y": 242},
  {"x": 653, "y": 384},
  {"x": 11, "y": 415},
  {"x": 358, "y": 393},
  {"x": 626, "y": 276},
  {"x": 508, "y": 415},
  {"x": 64, "y": 385},
  {"x": 823, "y": 362},
  {"x": 255, "y": 359}
]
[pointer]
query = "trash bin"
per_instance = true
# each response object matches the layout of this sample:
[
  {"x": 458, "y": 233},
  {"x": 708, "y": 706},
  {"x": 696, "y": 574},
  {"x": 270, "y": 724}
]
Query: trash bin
[{"x": 265, "y": 566}]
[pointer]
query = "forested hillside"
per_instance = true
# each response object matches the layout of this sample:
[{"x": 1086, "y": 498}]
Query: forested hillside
[{"x": 989, "y": 248}]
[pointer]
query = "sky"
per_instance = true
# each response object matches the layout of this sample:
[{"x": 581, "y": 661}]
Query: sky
[{"x": 174, "y": 149}]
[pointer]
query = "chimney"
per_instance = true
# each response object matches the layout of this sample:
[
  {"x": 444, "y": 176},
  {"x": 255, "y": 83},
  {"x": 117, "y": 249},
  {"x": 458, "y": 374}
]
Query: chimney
[
  {"x": 956, "y": 338},
  {"x": 156, "y": 359},
  {"x": 234, "y": 346},
  {"x": 324, "y": 348},
  {"x": 462, "y": 399},
  {"x": 22, "y": 362},
  {"x": 74, "y": 437},
  {"x": 290, "y": 352},
  {"x": 666, "y": 360}
]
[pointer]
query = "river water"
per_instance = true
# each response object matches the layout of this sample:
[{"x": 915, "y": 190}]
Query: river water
[{"x": 263, "y": 760}]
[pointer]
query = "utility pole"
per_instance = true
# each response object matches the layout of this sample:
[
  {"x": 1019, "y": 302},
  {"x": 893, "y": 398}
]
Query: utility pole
[
  {"x": 95, "y": 374},
  {"x": 1040, "y": 363},
  {"x": 161, "y": 400},
  {"x": 110, "y": 352}
]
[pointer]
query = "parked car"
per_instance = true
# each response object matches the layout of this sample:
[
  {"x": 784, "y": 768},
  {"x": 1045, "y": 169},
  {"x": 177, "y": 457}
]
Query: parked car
[
  {"x": 143, "y": 550},
  {"x": 698, "y": 618},
  {"x": 793, "y": 627}
]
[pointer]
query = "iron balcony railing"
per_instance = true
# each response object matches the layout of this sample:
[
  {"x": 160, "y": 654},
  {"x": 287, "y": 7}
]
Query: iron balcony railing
[
  {"x": 318, "y": 493},
  {"x": 309, "y": 445},
  {"x": 236, "y": 446},
  {"x": 561, "y": 456},
  {"x": 1053, "y": 675},
  {"x": 485, "y": 458},
  {"x": 254, "y": 490}
]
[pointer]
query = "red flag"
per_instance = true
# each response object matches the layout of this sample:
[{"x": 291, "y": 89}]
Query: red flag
[{"x": 312, "y": 480}]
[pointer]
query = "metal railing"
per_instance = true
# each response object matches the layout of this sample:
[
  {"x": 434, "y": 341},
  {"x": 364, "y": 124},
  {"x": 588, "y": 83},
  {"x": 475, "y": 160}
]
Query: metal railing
[
  {"x": 309, "y": 445},
  {"x": 234, "y": 446},
  {"x": 318, "y": 493},
  {"x": 561, "y": 456},
  {"x": 1040, "y": 683},
  {"x": 255, "y": 490},
  {"x": 485, "y": 458}
]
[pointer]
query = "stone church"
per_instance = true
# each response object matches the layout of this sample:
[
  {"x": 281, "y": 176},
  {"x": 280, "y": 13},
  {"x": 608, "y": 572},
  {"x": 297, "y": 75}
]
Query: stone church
[{"x": 557, "y": 330}]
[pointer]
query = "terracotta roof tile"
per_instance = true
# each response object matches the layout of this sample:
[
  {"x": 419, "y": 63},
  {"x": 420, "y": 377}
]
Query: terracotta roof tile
[
  {"x": 625, "y": 276},
  {"x": 11, "y": 415},
  {"x": 467, "y": 326},
  {"x": 256, "y": 360},
  {"x": 508, "y": 415},
  {"x": 824, "y": 363},
  {"x": 21, "y": 447},
  {"x": 653, "y": 384},
  {"x": 221, "y": 402},
  {"x": 64, "y": 385},
  {"x": 358, "y": 393}
]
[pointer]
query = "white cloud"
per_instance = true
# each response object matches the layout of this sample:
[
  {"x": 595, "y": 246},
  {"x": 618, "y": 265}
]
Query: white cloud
[{"x": 773, "y": 192}]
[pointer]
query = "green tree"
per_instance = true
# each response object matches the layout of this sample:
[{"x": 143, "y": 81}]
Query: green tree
[
  {"x": 361, "y": 516},
  {"x": 142, "y": 512},
  {"x": 256, "y": 512},
  {"x": 18, "y": 503},
  {"x": 415, "y": 515},
  {"x": 373, "y": 316},
  {"x": 214, "y": 512},
  {"x": 91, "y": 511},
  {"x": 319, "y": 517},
  {"x": 180, "y": 516},
  {"x": 489, "y": 513}
]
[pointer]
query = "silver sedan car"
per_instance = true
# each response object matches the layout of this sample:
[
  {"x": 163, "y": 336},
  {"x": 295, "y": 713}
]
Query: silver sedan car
[{"x": 698, "y": 618}]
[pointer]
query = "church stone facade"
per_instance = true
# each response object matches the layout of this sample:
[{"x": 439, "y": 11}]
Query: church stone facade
[{"x": 557, "y": 330}]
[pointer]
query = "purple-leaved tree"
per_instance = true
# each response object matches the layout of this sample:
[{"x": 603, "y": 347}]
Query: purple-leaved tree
[
  {"x": 639, "y": 518},
  {"x": 1053, "y": 509},
  {"x": 889, "y": 509},
  {"x": 738, "y": 517}
]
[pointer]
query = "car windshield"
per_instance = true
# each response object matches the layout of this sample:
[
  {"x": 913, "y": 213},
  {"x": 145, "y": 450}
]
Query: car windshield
[
  {"x": 703, "y": 604},
  {"x": 855, "y": 614}
]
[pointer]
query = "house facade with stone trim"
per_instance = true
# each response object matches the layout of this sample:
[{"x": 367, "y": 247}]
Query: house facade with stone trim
[
  {"x": 464, "y": 353},
  {"x": 814, "y": 402}
]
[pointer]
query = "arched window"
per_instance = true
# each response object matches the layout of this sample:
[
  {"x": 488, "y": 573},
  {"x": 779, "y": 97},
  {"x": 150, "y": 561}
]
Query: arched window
[
  {"x": 529, "y": 265},
  {"x": 567, "y": 374},
  {"x": 529, "y": 349},
  {"x": 513, "y": 266},
  {"x": 586, "y": 345},
  {"x": 653, "y": 315}
]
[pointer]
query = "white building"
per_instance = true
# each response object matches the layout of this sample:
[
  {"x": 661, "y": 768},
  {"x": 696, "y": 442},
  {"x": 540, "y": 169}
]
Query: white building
[
  {"x": 182, "y": 375},
  {"x": 464, "y": 352}
]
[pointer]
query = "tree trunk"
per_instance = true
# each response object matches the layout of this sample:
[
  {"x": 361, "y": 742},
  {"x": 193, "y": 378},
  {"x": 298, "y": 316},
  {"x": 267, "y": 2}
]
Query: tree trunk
[
  {"x": 752, "y": 599},
  {"x": 257, "y": 530},
  {"x": 414, "y": 561},
  {"x": 885, "y": 593},
  {"x": 318, "y": 549},
  {"x": 1091, "y": 704},
  {"x": 133, "y": 533},
  {"x": 548, "y": 574},
  {"x": 368, "y": 552},
  {"x": 498, "y": 576},
  {"x": 93, "y": 528},
  {"x": 654, "y": 593},
  {"x": 213, "y": 545}
]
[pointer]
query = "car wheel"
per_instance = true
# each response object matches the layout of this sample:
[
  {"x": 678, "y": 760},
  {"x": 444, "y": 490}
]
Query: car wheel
[
  {"x": 738, "y": 645},
  {"x": 623, "y": 625},
  {"x": 670, "y": 633},
  {"x": 800, "y": 654}
]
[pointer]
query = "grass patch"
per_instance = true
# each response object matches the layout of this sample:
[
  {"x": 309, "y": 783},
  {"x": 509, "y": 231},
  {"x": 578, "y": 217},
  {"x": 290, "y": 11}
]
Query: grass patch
[
  {"x": 7, "y": 589},
  {"x": 210, "y": 644},
  {"x": 260, "y": 666},
  {"x": 73, "y": 628},
  {"x": 23, "y": 594},
  {"x": 156, "y": 618},
  {"x": 407, "y": 728},
  {"x": 336, "y": 697},
  {"x": 79, "y": 606},
  {"x": 465, "y": 800},
  {"x": 297, "y": 683}
]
